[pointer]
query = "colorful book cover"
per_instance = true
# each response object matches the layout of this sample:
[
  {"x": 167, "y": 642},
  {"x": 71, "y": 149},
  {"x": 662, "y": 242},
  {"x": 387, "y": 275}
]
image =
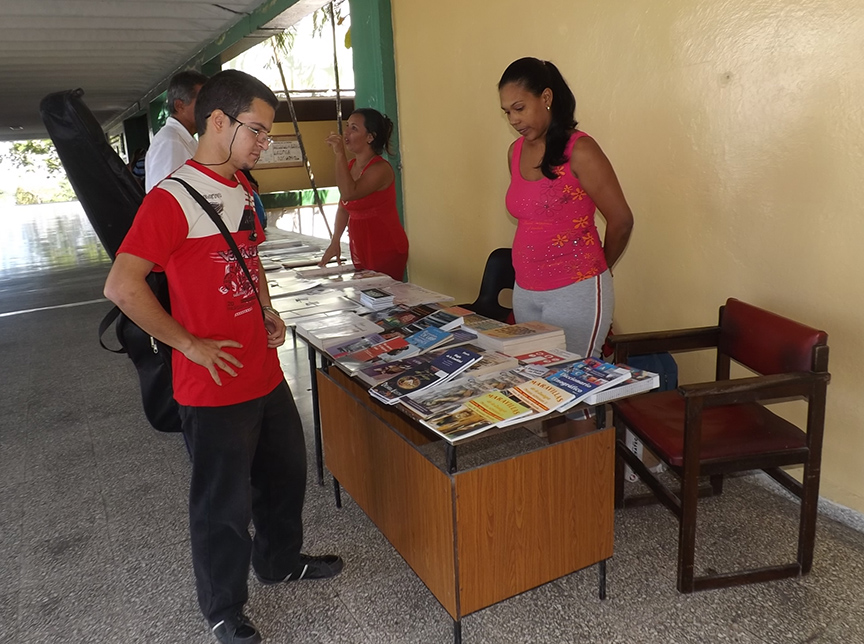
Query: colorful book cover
[
  {"x": 355, "y": 345},
  {"x": 375, "y": 374},
  {"x": 548, "y": 357},
  {"x": 586, "y": 377},
  {"x": 541, "y": 396},
  {"x": 477, "y": 415},
  {"x": 457, "y": 392},
  {"x": 522, "y": 330},
  {"x": 477, "y": 322},
  {"x": 441, "y": 368},
  {"x": 428, "y": 338},
  {"x": 359, "y": 359}
]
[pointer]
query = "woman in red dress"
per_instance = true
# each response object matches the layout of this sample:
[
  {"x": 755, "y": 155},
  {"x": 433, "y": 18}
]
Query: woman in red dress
[{"x": 367, "y": 191}]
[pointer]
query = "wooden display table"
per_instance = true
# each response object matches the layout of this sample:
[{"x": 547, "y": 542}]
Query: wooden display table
[{"x": 497, "y": 528}]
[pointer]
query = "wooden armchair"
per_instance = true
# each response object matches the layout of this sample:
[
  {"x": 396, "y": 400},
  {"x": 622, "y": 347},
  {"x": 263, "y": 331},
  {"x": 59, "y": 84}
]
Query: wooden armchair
[{"x": 714, "y": 428}]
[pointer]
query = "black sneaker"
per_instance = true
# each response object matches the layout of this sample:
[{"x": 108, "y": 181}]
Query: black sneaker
[
  {"x": 310, "y": 567},
  {"x": 236, "y": 630}
]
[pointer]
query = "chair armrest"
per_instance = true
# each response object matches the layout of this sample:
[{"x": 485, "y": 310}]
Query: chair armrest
[
  {"x": 634, "y": 344},
  {"x": 745, "y": 390}
]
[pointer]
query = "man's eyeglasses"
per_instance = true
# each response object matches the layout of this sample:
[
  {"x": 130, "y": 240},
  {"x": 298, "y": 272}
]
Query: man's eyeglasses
[{"x": 260, "y": 135}]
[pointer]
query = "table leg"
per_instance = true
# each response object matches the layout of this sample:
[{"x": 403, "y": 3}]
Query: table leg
[
  {"x": 316, "y": 415},
  {"x": 601, "y": 568},
  {"x": 337, "y": 493},
  {"x": 451, "y": 458},
  {"x": 457, "y": 631},
  {"x": 600, "y": 416}
]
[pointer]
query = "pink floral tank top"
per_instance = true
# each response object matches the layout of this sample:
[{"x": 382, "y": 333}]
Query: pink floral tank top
[{"x": 556, "y": 242}]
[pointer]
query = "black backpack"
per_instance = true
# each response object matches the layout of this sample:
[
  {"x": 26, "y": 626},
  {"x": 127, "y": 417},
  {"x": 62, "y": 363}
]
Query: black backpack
[{"x": 110, "y": 196}]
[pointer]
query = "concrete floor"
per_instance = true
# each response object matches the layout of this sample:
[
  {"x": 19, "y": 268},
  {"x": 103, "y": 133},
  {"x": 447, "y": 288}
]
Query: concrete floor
[{"x": 93, "y": 531}]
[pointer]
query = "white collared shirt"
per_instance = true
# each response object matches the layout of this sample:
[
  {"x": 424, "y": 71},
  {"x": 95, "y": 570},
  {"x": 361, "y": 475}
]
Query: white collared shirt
[{"x": 171, "y": 147}]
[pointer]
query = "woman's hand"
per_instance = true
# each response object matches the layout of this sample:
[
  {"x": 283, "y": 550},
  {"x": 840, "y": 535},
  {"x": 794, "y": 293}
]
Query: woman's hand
[
  {"x": 333, "y": 251},
  {"x": 336, "y": 144}
]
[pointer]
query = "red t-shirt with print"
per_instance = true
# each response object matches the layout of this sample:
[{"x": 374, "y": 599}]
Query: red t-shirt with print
[{"x": 210, "y": 294}]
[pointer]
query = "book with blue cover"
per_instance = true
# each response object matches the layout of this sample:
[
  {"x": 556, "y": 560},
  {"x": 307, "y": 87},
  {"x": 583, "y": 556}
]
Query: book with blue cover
[
  {"x": 428, "y": 338},
  {"x": 586, "y": 377}
]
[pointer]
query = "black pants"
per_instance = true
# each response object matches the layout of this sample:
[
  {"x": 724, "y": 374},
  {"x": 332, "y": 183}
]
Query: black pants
[{"x": 248, "y": 463}]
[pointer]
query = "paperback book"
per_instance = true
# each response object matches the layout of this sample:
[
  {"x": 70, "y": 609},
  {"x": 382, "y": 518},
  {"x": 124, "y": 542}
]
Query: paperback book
[
  {"x": 364, "y": 357},
  {"x": 492, "y": 362},
  {"x": 428, "y": 338},
  {"x": 586, "y": 377},
  {"x": 324, "y": 332},
  {"x": 541, "y": 396},
  {"x": 638, "y": 382},
  {"x": 356, "y": 344},
  {"x": 457, "y": 392},
  {"x": 477, "y": 322},
  {"x": 478, "y": 415},
  {"x": 548, "y": 358},
  {"x": 441, "y": 368},
  {"x": 398, "y": 316},
  {"x": 382, "y": 371}
]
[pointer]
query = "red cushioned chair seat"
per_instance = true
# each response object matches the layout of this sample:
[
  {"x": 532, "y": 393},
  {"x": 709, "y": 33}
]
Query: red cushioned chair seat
[{"x": 736, "y": 431}]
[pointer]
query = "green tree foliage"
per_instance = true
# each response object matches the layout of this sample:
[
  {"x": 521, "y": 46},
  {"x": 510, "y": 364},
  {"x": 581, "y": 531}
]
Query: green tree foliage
[{"x": 34, "y": 155}]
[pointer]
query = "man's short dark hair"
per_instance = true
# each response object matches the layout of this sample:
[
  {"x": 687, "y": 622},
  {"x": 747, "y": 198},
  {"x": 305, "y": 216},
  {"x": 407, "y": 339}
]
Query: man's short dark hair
[
  {"x": 184, "y": 87},
  {"x": 231, "y": 91}
]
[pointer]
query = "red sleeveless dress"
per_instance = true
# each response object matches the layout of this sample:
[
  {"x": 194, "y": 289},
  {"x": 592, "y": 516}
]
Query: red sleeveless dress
[{"x": 376, "y": 237}]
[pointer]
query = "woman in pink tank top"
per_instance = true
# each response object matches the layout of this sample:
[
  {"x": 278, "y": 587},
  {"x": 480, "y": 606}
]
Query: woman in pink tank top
[{"x": 559, "y": 178}]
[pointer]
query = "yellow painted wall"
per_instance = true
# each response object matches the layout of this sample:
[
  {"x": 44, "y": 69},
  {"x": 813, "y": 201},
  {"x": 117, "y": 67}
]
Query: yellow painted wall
[
  {"x": 320, "y": 156},
  {"x": 737, "y": 132}
]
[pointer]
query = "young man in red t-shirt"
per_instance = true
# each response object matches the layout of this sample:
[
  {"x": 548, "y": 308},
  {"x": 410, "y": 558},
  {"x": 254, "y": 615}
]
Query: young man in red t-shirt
[{"x": 237, "y": 412}]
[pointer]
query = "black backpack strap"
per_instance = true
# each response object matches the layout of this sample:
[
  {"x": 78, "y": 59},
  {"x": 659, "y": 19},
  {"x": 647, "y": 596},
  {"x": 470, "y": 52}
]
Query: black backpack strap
[
  {"x": 106, "y": 322},
  {"x": 216, "y": 219}
]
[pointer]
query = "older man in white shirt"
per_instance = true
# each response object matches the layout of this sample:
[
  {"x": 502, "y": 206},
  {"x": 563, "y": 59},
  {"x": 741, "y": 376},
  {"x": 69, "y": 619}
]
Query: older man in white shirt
[{"x": 175, "y": 143}]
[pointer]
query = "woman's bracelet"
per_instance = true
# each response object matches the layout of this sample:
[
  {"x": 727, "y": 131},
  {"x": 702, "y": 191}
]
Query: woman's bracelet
[{"x": 271, "y": 310}]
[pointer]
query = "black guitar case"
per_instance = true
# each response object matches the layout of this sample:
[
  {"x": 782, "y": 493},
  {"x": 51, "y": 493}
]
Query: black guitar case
[
  {"x": 106, "y": 188},
  {"x": 110, "y": 196}
]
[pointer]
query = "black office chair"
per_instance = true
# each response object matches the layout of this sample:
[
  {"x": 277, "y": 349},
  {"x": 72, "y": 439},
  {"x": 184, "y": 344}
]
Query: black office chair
[{"x": 497, "y": 276}]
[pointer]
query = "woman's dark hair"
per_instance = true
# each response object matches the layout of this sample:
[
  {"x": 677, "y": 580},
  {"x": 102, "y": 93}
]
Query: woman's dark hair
[
  {"x": 231, "y": 91},
  {"x": 536, "y": 75},
  {"x": 379, "y": 125}
]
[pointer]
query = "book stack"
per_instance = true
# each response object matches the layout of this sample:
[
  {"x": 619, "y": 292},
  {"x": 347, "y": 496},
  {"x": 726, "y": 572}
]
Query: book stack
[
  {"x": 328, "y": 331},
  {"x": 520, "y": 339},
  {"x": 376, "y": 299}
]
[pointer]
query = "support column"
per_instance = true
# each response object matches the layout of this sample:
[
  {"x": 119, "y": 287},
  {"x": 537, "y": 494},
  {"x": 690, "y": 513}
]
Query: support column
[{"x": 375, "y": 70}]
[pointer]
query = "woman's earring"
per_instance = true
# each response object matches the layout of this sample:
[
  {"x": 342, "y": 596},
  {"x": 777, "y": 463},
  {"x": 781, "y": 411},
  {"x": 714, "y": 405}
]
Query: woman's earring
[{"x": 548, "y": 108}]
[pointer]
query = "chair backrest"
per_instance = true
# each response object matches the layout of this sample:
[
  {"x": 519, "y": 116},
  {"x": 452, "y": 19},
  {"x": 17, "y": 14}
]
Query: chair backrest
[
  {"x": 107, "y": 190},
  {"x": 497, "y": 276},
  {"x": 766, "y": 342}
]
